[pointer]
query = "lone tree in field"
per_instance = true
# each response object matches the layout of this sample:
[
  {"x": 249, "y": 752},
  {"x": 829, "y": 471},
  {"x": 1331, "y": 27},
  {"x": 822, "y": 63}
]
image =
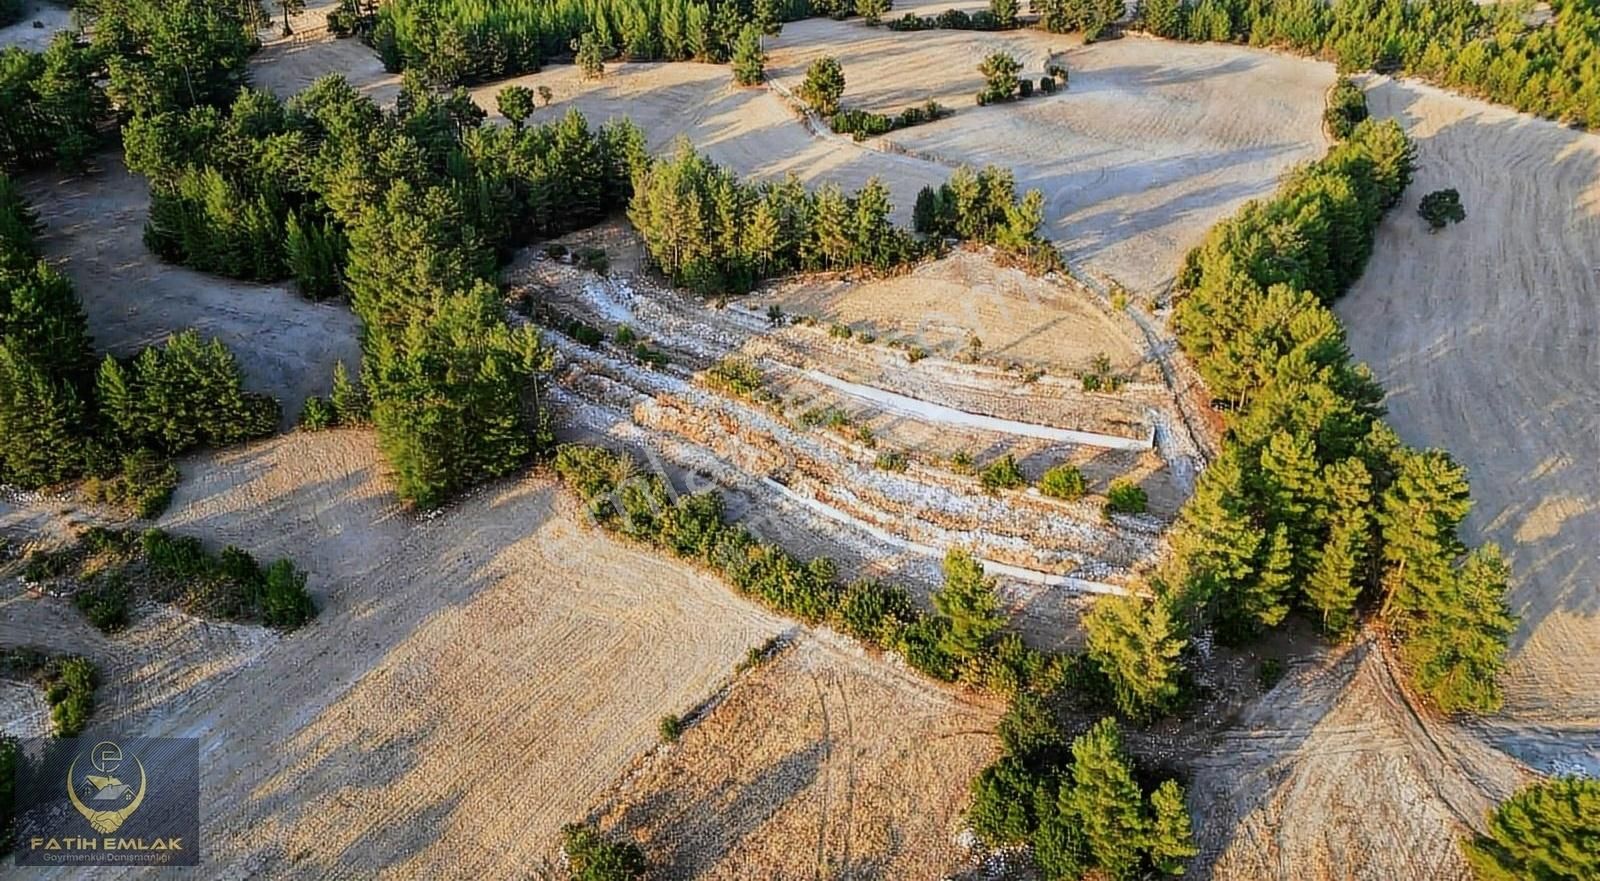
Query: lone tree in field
[
  {"x": 1000, "y": 73},
  {"x": 823, "y": 86},
  {"x": 1441, "y": 207},
  {"x": 1550, "y": 831},
  {"x": 545, "y": 95},
  {"x": 515, "y": 103},
  {"x": 749, "y": 59},
  {"x": 591, "y": 55}
]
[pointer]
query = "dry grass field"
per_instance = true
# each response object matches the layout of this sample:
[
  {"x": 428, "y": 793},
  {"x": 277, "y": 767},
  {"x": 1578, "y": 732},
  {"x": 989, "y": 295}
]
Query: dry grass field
[
  {"x": 472, "y": 683},
  {"x": 821, "y": 763},
  {"x": 1487, "y": 337}
]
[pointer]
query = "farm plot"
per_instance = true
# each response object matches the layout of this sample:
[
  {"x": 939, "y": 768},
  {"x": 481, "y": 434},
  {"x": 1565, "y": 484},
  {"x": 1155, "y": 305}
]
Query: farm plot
[
  {"x": 822, "y": 762},
  {"x": 285, "y": 344},
  {"x": 1148, "y": 146},
  {"x": 1487, "y": 337},
  {"x": 472, "y": 683}
]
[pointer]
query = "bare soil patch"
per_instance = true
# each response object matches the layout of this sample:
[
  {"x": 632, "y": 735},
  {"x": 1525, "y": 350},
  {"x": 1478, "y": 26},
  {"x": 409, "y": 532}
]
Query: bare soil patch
[
  {"x": 94, "y": 224},
  {"x": 1487, "y": 337},
  {"x": 472, "y": 683},
  {"x": 820, "y": 763},
  {"x": 53, "y": 17}
]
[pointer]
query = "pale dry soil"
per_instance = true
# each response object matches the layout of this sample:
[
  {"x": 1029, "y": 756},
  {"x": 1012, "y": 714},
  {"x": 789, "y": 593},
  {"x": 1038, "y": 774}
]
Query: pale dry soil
[
  {"x": 473, "y": 681},
  {"x": 821, "y": 762},
  {"x": 1487, "y": 337},
  {"x": 286, "y": 345},
  {"x": 53, "y": 17}
]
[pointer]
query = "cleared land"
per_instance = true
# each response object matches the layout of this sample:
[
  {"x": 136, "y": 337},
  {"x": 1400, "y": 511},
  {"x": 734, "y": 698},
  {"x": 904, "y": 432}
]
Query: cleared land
[
  {"x": 1487, "y": 337},
  {"x": 52, "y": 19},
  {"x": 473, "y": 681},
  {"x": 822, "y": 762},
  {"x": 94, "y": 225}
]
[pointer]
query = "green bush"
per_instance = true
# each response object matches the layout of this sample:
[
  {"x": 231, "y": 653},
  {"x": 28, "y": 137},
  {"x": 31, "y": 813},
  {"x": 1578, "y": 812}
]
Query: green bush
[
  {"x": 891, "y": 460},
  {"x": 1124, "y": 497},
  {"x": 70, "y": 694},
  {"x": 285, "y": 604},
  {"x": 593, "y": 857},
  {"x": 738, "y": 376},
  {"x": 671, "y": 728},
  {"x": 1002, "y": 473},
  {"x": 144, "y": 486},
  {"x": 105, "y": 602},
  {"x": 1441, "y": 208},
  {"x": 1347, "y": 108},
  {"x": 1063, "y": 481},
  {"x": 317, "y": 414},
  {"x": 875, "y": 612}
]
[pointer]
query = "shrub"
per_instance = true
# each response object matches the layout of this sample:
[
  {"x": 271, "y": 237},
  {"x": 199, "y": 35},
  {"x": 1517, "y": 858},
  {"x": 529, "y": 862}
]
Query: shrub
[
  {"x": 1047, "y": 85},
  {"x": 915, "y": 354},
  {"x": 1099, "y": 377},
  {"x": 317, "y": 414},
  {"x": 1002, "y": 473},
  {"x": 840, "y": 331},
  {"x": 593, "y": 857},
  {"x": 144, "y": 486},
  {"x": 738, "y": 376},
  {"x": 625, "y": 335},
  {"x": 1025, "y": 88},
  {"x": 1000, "y": 76},
  {"x": 1347, "y": 107},
  {"x": 104, "y": 601},
  {"x": 891, "y": 460},
  {"x": 176, "y": 556},
  {"x": 671, "y": 728},
  {"x": 1124, "y": 497},
  {"x": 593, "y": 259},
  {"x": 1063, "y": 481},
  {"x": 1440, "y": 208},
  {"x": 285, "y": 604},
  {"x": 875, "y": 612},
  {"x": 70, "y": 694}
]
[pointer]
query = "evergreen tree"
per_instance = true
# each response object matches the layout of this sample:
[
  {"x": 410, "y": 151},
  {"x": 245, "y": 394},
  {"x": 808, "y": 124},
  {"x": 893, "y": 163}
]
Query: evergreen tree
[
  {"x": 1456, "y": 642},
  {"x": 823, "y": 86},
  {"x": 1137, "y": 644},
  {"x": 1171, "y": 840},
  {"x": 1004, "y": 12},
  {"x": 1421, "y": 510},
  {"x": 1548, "y": 831},
  {"x": 591, "y": 53},
  {"x": 1107, "y": 802},
  {"x": 967, "y": 601},
  {"x": 1163, "y": 18},
  {"x": 1339, "y": 564},
  {"x": 515, "y": 103},
  {"x": 348, "y": 400},
  {"x": 749, "y": 59}
]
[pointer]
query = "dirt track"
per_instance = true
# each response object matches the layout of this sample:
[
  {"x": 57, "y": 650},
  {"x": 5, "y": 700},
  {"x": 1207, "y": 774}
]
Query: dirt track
[
  {"x": 1487, "y": 337},
  {"x": 472, "y": 683}
]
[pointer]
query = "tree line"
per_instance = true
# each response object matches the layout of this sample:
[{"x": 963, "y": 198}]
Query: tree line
[
  {"x": 462, "y": 41},
  {"x": 64, "y": 415},
  {"x": 1489, "y": 50},
  {"x": 710, "y": 232},
  {"x": 1313, "y": 503}
]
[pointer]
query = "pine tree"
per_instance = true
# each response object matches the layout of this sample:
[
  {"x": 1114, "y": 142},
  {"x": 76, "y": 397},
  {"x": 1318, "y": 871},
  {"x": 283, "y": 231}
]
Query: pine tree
[
  {"x": 348, "y": 400},
  {"x": 823, "y": 86},
  {"x": 1339, "y": 564},
  {"x": 1456, "y": 640},
  {"x": 968, "y": 602},
  {"x": 1421, "y": 510},
  {"x": 1548, "y": 831},
  {"x": 766, "y": 16},
  {"x": 1107, "y": 802},
  {"x": 749, "y": 59},
  {"x": 1171, "y": 839},
  {"x": 1137, "y": 644},
  {"x": 42, "y": 420}
]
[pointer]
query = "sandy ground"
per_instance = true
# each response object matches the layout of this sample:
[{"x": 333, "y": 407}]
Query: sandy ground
[
  {"x": 822, "y": 762},
  {"x": 94, "y": 223},
  {"x": 1332, "y": 775},
  {"x": 54, "y": 18},
  {"x": 1487, "y": 337},
  {"x": 479, "y": 678}
]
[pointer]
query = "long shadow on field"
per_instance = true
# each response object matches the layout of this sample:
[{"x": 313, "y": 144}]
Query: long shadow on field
[
  {"x": 700, "y": 828},
  {"x": 1505, "y": 378}
]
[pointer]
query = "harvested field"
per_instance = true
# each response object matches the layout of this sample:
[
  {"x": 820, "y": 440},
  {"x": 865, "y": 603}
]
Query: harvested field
[
  {"x": 285, "y": 344},
  {"x": 1334, "y": 775},
  {"x": 1487, "y": 337},
  {"x": 820, "y": 763},
  {"x": 1150, "y": 144},
  {"x": 473, "y": 681}
]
